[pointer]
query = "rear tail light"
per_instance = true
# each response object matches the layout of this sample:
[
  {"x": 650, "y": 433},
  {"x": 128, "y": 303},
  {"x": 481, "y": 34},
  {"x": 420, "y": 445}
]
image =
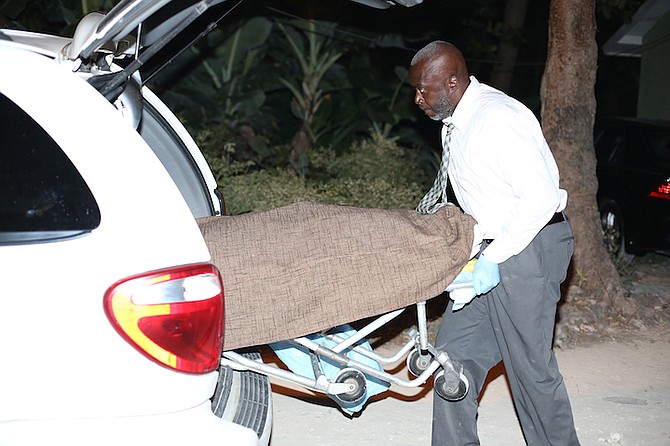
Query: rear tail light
[
  {"x": 172, "y": 316},
  {"x": 662, "y": 191}
]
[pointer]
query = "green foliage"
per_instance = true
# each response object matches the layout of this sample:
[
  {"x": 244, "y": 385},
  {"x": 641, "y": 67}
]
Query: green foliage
[
  {"x": 377, "y": 157},
  {"x": 316, "y": 56},
  {"x": 217, "y": 85},
  {"x": 51, "y": 16},
  {"x": 384, "y": 99},
  {"x": 276, "y": 88},
  {"x": 484, "y": 27},
  {"x": 621, "y": 10},
  {"x": 220, "y": 155},
  {"x": 369, "y": 193},
  {"x": 231, "y": 62},
  {"x": 263, "y": 190},
  {"x": 375, "y": 173}
]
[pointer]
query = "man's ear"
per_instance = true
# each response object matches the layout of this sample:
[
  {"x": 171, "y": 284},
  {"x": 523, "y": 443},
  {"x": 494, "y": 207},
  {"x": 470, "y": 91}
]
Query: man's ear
[{"x": 452, "y": 83}]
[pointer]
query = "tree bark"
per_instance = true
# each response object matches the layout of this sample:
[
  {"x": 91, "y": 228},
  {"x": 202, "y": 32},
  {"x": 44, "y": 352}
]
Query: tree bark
[{"x": 568, "y": 115}]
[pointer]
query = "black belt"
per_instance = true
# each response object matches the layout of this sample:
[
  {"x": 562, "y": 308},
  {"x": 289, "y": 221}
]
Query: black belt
[{"x": 556, "y": 218}]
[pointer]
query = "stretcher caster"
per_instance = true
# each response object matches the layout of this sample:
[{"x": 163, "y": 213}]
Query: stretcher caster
[
  {"x": 452, "y": 386},
  {"x": 417, "y": 363},
  {"x": 358, "y": 387}
]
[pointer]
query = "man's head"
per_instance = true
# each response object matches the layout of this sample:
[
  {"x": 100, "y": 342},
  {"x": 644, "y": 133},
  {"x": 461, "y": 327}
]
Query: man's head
[{"x": 439, "y": 76}]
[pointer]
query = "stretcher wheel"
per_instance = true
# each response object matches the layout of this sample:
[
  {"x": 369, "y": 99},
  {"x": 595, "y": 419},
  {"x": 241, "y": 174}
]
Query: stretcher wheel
[
  {"x": 452, "y": 388},
  {"x": 417, "y": 363},
  {"x": 359, "y": 383}
]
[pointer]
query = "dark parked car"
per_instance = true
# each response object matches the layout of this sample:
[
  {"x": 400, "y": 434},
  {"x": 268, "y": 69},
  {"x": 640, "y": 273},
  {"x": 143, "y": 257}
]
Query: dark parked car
[{"x": 634, "y": 185}]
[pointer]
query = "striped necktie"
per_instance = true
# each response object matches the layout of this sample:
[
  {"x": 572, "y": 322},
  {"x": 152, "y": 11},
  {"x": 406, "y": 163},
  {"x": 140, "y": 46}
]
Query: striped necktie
[{"x": 430, "y": 202}]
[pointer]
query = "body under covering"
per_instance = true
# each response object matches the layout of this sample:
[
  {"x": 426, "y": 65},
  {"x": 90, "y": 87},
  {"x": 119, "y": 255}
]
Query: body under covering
[{"x": 308, "y": 267}]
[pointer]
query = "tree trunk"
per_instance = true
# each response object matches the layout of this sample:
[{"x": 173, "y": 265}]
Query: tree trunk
[
  {"x": 568, "y": 115},
  {"x": 515, "y": 14}
]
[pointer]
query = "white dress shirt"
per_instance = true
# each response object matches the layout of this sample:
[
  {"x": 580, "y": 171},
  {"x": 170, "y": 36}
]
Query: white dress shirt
[{"x": 501, "y": 170}]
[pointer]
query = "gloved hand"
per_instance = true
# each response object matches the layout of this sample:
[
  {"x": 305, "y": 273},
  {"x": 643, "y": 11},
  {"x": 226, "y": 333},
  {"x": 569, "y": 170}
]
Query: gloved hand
[
  {"x": 460, "y": 290},
  {"x": 485, "y": 276}
]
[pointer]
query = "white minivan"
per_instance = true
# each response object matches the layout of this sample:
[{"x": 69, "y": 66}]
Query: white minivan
[{"x": 111, "y": 316}]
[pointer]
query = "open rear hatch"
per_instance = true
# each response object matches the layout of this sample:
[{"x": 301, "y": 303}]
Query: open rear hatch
[{"x": 135, "y": 36}]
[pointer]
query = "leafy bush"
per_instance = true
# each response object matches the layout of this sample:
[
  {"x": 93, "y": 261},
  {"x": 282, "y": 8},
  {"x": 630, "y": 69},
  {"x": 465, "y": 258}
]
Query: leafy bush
[
  {"x": 374, "y": 173},
  {"x": 263, "y": 190},
  {"x": 377, "y": 157}
]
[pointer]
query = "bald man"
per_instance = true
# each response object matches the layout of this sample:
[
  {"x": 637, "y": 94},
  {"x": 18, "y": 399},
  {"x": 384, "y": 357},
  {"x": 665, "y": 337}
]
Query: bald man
[{"x": 504, "y": 175}]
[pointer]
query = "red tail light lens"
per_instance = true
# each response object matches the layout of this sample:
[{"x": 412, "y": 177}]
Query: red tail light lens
[
  {"x": 662, "y": 191},
  {"x": 172, "y": 316}
]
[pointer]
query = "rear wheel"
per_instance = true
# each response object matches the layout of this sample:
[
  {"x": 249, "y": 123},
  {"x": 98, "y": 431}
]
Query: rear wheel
[{"x": 613, "y": 232}]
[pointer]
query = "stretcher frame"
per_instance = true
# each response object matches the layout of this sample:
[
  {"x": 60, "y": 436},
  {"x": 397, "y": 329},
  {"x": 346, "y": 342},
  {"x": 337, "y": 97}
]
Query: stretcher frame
[{"x": 348, "y": 387}]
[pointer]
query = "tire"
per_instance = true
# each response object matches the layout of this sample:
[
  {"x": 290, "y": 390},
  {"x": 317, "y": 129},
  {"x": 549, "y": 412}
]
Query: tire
[
  {"x": 612, "y": 224},
  {"x": 417, "y": 363},
  {"x": 355, "y": 396},
  {"x": 452, "y": 386},
  {"x": 245, "y": 398}
]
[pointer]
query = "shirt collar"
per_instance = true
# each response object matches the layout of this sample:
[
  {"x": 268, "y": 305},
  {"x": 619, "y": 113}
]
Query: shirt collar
[{"x": 466, "y": 106}]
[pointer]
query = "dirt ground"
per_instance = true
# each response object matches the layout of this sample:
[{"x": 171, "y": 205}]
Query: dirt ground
[
  {"x": 617, "y": 375},
  {"x": 647, "y": 280}
]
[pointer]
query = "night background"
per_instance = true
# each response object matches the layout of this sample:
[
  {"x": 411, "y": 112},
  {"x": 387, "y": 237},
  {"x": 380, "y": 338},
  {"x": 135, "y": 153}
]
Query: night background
[{"x": 392, "y": 36}]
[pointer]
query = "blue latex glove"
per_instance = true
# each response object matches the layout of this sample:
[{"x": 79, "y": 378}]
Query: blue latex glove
[
  {"x": 485, "y": 276},
  {"x": 463, "y": 278},
  {"x": 460, "y": 290}
]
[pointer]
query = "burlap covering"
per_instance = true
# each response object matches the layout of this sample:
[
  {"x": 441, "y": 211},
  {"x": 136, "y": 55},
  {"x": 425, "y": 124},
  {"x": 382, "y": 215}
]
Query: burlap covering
[{"x": 307, "y": 267}]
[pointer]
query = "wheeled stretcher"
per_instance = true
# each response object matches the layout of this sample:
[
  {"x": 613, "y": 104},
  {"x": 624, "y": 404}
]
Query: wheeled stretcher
[
  {"x": 356, "y": 364},
  {"x": 293, "y": 273}
]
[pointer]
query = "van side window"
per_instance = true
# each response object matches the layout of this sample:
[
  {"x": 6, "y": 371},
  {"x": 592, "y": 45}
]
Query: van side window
[{"x": 42, "y": 195}]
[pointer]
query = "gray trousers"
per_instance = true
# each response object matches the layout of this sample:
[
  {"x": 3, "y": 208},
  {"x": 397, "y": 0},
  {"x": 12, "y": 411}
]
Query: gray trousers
[{"x": 513, "y": 323}]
